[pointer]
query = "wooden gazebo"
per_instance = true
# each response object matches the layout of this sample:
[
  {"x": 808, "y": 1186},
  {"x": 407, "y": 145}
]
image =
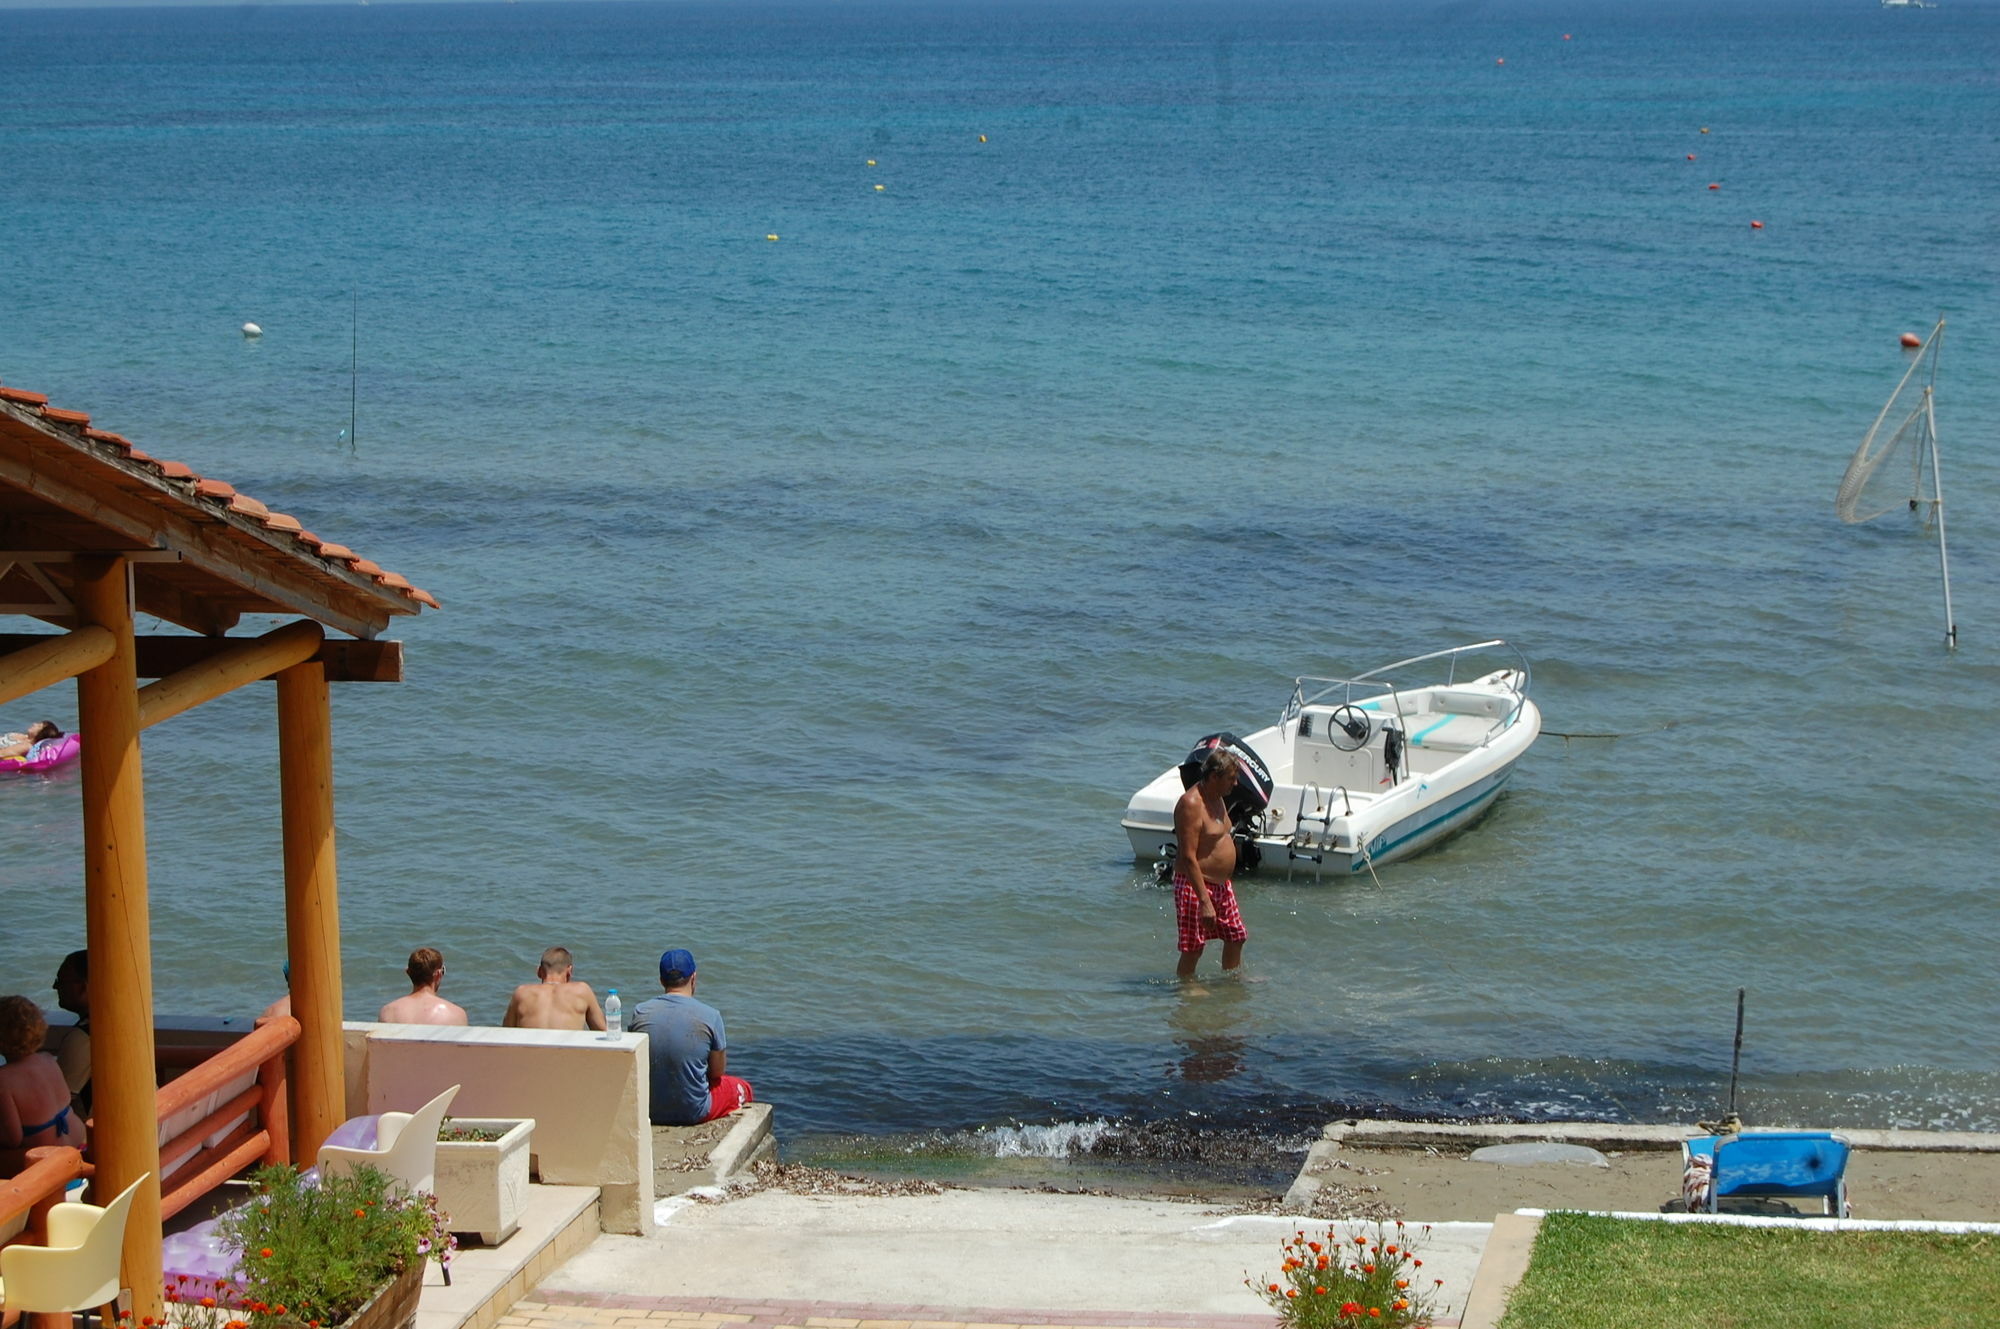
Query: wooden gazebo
[{"x": 92, "y": 531}]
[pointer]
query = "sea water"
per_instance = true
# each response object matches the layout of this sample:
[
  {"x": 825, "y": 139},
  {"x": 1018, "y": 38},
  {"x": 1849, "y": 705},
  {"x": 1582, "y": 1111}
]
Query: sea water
[{"x": 816, "y": 603}]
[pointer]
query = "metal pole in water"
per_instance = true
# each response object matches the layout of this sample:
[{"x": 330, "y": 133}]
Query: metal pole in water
[
  {"x": 1736, "y": 1058},
  {"x": 353, "y": 364}
]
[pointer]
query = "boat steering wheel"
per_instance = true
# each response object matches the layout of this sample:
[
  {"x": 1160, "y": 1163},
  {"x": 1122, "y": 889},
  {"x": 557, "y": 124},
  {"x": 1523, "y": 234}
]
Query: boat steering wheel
[{"x": 1347, "y": 728}]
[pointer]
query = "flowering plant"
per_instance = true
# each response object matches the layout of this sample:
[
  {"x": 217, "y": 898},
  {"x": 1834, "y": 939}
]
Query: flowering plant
[
  {"x": 1357, "y": 1282},
  {"x": 313, "y": 1255}
]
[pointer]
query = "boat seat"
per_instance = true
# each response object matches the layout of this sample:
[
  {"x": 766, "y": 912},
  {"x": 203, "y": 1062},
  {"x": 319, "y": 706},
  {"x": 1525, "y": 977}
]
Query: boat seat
[{"x": 1450, "y": 733}]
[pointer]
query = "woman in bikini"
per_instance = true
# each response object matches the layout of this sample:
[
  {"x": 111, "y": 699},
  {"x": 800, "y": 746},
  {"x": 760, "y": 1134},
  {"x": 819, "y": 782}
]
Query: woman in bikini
[{"x": 34, "y": 1097}]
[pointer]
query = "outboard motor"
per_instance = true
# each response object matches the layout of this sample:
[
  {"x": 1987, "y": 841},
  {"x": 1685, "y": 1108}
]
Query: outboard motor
[{"x": 1250, "y": 797}]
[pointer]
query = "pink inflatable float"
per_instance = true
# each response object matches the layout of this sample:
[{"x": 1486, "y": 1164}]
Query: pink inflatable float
[{"x": 61, "y": 754}]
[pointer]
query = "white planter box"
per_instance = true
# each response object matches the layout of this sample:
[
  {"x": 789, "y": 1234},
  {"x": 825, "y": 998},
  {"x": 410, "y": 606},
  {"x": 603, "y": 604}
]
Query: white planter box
[{"x": 483, "y": 1184}]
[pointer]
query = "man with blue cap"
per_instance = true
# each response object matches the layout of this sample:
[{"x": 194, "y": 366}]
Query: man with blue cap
[{"x": 685, "y": 1044}]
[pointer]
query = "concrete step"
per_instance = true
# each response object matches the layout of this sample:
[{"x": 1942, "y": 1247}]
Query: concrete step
[{"x": 713, "y": 1153}]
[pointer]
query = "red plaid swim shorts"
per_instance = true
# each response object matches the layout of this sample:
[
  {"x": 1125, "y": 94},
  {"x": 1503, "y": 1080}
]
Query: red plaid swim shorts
[{"x": 1196, "y": 931}]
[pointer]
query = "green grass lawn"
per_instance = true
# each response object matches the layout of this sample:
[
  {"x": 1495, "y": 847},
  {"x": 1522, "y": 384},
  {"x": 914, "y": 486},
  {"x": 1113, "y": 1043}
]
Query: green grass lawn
[{"x": 1606, "y": 1273}]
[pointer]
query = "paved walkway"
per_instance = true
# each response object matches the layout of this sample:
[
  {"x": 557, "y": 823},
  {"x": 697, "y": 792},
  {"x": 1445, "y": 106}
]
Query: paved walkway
[{"x": 552, "y": 1309}]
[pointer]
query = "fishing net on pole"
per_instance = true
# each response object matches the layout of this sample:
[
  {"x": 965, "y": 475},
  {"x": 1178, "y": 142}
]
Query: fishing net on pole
[{"x": 1887, "y": 472}]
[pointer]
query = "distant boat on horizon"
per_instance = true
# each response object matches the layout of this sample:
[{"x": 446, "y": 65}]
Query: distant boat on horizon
[{"x": 1886, "y": 4}]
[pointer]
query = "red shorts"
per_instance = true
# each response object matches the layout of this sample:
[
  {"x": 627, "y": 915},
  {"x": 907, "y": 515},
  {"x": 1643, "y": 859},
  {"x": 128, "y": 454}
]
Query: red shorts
[
  {"x": 728, "y": 1096},
  {"x": 1196, "y": 931}
]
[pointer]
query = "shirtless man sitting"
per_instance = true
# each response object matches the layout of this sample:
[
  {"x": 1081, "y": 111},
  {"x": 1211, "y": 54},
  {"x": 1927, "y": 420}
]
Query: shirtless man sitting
[
  {"x": 1204, "y": 897},
  {"x": 558, "y": 1001},
  {"x": 423, "y": 1005}
]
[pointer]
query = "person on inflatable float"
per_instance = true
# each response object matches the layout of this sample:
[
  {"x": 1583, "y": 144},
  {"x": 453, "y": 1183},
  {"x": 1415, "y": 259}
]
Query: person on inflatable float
[{"x": 41, "y": 736}]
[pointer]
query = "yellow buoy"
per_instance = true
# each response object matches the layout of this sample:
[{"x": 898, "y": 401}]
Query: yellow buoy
[
  {"x": 878, "y": 189},
  {"x": 1704, "y": 129},
  {"x": 772, "y": 236},
  {"x": 982, "y": 138},
  {"x": 871, "y": 160}
]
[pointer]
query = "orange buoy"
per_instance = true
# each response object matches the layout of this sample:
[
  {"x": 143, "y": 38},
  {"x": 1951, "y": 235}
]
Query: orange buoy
[
  {"x": 1911, "y": 341},
  {"x": 1501, "y": 61},
  {"x": 1690, "y": 156},
  {"x": 1711, "y": 185},
  {"x": 1565, "y": 36},
  {"x": 1756, "y": 226}
]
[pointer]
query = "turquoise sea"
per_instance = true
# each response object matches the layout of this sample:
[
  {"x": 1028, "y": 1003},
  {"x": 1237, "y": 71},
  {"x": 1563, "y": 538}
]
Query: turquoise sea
[{"x": 816, "y": 603}]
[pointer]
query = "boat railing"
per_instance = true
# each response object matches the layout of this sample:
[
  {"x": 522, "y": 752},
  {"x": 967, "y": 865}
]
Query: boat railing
[{"x": 1376, "y": 686}]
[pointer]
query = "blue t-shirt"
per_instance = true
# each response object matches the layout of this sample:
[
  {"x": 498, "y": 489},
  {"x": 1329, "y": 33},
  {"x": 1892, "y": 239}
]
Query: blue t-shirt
[{"x": 680, "y": 1033}]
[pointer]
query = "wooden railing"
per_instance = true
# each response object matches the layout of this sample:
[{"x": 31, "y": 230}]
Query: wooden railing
[
  {"x": 36, "y": 1189},
  {"x": 29, "y": 1195},
  {"x": 255, "y": 1121}
]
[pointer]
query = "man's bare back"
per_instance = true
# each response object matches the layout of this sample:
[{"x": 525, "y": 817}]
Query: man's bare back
[
  {"x": 425, "y": 1007},
  {"x": 554, "y": 1004}
]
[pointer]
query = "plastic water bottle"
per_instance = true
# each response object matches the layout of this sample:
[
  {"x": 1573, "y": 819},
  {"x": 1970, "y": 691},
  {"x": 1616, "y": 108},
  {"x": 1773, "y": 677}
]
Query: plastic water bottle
[{"x": 614, "y": 1019}]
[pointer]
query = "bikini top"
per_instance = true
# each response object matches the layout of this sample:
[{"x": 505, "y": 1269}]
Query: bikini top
[{"x": 59, "y": 1123}]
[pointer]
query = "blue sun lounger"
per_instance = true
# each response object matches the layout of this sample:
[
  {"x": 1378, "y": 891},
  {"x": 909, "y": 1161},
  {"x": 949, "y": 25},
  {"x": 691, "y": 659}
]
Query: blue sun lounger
[{"x": 1774, "y": 1164}]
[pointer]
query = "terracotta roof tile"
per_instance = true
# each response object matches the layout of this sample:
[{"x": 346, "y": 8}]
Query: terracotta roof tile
[{"x": 281, "y": 524}]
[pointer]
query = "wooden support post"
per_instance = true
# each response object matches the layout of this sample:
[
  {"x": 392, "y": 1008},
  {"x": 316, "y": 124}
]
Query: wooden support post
[
  {"x": 52, "y": 660},
  {"x": 126, "y": 1133},
  {"x": 236, "y": 665},
  {"x": 312, "y": 905}
]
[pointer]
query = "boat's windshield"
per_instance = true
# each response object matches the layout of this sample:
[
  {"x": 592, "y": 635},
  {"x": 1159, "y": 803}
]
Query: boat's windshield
[{"x": 1308, "y": 690}]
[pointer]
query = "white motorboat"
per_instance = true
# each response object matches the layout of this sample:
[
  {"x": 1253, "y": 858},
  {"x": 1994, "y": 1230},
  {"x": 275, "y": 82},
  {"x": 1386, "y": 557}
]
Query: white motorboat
[{"x": 1362, "y": 771}]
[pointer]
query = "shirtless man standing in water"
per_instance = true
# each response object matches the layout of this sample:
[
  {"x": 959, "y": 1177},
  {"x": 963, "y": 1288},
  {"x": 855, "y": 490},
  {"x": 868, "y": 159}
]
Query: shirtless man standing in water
[
  {"x": 558, "y": 1001},
  {"x": 1204, "y": 898}
]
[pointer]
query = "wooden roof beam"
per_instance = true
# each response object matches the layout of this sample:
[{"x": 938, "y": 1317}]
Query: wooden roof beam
[
  {"x": 344, "y": 661},
  {"x": 50, "y": 660},
  {"x": 237, "y": 665}
]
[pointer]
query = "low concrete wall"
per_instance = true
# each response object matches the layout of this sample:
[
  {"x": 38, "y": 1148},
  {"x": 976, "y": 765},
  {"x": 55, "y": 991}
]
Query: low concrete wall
[{"x": 587, "y": 1094}]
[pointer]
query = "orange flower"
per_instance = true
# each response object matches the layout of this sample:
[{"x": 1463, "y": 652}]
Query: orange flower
[
  {"x": 1274, "y": 1287},
  {"x": 1361, "y": 1241},
  {"x": 1399, "y": 1305},
  {"x": 1417, "y": 1263},
  {"x": 1322, "y": 1262},
  {"x": 266, "y": 1252},
  {"x": 1375, "y": 1311},
  {"x": 278, "y": 1309},
  {"x": 361, "y": 1213},
  {"x": 1388, "y": 1250},
  {"x": 1367, "y": 1268},
  {"x": 1291, "y": 1292},
  {"x": 1402, "y": 1282},
  {"x": 1319, "y": 1291},
  {"x": 208, "y": 1301},
  {"x": 1313, "y": 1246}
]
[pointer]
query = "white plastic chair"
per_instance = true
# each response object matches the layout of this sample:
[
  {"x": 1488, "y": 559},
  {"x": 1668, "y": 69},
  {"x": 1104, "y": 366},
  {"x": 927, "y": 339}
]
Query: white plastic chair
[
  {"x": 78, "y": 1269},
  {"x": 405, "y": 1147}
]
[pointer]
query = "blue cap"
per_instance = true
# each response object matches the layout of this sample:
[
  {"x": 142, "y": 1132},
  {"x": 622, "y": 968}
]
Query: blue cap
[{"x": 676, "y": 961}]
